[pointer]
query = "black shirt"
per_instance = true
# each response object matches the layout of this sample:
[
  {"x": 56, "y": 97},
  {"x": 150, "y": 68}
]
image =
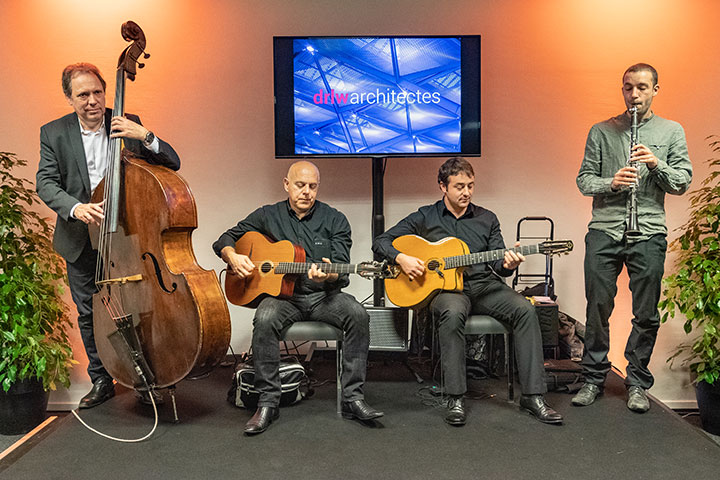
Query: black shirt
[
  {"x": 478, "y": 227},
  {"x": 322, "y": 232}
]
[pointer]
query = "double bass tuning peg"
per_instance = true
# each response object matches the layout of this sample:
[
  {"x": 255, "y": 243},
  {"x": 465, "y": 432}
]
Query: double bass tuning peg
[{"x": 141, "y": 65}]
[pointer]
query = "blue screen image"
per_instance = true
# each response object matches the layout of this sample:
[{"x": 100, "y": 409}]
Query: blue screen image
[{"x": 376, "y": 95}]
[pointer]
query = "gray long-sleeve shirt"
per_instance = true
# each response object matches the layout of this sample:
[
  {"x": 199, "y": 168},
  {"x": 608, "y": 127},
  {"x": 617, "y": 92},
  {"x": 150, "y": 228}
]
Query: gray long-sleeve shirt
[{"x": 607, "y": 150}]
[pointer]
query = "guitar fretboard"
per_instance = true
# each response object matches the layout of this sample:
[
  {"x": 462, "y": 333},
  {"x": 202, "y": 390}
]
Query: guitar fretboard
[
  {"x": 489, "y": 256},
  {"x": 284, "y": 268}
]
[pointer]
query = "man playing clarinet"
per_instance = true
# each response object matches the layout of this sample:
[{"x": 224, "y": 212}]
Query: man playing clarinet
[{"x": 618, "y": 176}]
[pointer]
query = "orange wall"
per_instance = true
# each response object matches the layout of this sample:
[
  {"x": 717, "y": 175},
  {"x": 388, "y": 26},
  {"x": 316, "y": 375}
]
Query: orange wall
[{"x": 549, "y": 70}]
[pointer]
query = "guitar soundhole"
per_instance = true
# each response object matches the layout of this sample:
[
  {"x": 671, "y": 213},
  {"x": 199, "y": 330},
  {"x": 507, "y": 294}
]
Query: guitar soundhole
[
  {"x": 266, "y": 267},
  {"x": 433, "y": 265}
]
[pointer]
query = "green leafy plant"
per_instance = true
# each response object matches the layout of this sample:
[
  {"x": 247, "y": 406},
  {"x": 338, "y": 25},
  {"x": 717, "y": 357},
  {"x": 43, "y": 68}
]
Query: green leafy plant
[
  {"x": 33, "y": 318},
  {"x": 694, "y": 289}
]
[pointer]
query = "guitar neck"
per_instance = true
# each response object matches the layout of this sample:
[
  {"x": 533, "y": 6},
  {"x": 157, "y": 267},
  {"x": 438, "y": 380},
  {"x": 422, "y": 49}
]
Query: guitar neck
[
  {"x": 489, "y": 256},
  {"x": 299, "y": 268}
]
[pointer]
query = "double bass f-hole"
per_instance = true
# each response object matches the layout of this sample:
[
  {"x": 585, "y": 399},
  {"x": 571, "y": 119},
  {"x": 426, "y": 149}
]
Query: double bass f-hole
[{"x": 158, "y": 272}]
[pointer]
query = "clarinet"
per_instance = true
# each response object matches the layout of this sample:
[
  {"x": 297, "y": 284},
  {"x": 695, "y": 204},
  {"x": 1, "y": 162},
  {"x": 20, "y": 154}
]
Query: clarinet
[{"x": 632, "y": 230}]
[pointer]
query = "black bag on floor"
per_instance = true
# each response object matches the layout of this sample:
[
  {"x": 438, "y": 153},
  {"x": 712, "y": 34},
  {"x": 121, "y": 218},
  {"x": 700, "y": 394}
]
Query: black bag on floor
[
  {"x": 294, "y": 384},
  {"x": 563, "y": 376},
  {"x": 570, "y": 337}
]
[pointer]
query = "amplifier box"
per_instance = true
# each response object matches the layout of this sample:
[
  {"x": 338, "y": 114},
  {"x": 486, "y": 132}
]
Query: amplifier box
[{"x": 388, "y": 328}]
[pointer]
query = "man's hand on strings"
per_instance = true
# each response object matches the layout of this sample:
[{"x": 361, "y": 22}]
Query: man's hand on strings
[
  {"x": 122, "y": 127},
  {"x": 90, "y": 212},
  {"x": 238, "y": 264},
  {"x": 317, "y": 275},
  {"x": 413, "y": 267},
  {"x": 513, "y": 259}
]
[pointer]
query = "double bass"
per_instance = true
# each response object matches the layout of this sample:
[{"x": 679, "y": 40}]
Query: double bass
[{"x": 158, "y": 316}]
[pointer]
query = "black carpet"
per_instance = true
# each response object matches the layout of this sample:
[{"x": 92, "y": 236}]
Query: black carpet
[{"x": 603, "y": 441}]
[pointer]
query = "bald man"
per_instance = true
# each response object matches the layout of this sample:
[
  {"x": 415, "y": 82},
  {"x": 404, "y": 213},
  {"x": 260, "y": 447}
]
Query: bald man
[{"x": 324, "y": 234}]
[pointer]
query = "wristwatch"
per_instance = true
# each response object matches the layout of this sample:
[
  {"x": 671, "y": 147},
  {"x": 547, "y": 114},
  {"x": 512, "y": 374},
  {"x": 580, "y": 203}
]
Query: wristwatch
[{"x": 149, "y": 137}]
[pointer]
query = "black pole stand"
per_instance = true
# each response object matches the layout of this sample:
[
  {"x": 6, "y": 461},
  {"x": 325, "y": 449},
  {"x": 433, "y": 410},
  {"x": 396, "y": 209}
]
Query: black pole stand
[
  {"x": 378, "y": 222},
  {"x": 378, "y": 228}
]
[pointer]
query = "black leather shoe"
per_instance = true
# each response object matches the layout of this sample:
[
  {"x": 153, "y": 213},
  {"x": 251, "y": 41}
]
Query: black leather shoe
[
  {"x": 637, "y": 399},
  {"x": 587, "y": 395},
  {"x": 456, "y": 414},
  {"x": 144, "y": 397},
  {"x": 103, "y": 389},
  {"x": 262, "y": 419},
  {"x": 535, "y": 405},
  {"x": 359, "y": 409}
]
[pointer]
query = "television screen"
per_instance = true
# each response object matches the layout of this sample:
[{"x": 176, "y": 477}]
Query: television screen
[{"x": 377, "y": 96}]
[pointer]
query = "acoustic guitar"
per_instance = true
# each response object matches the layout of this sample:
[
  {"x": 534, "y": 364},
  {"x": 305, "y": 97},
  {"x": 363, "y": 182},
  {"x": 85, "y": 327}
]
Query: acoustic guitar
[
  {"x": 444, "y": 264},
  {"x": 277, "y": 266}
]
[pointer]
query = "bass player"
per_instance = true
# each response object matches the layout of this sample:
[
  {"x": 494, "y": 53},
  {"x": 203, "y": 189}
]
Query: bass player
[
  {"x": 74, "y": 156},
  {"x": 484, "y": 292}
]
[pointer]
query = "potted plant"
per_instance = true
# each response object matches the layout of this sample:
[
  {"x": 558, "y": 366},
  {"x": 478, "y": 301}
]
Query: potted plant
[
  {"x": 694, "y": 291},
  {"x": 35, "y": 354}
]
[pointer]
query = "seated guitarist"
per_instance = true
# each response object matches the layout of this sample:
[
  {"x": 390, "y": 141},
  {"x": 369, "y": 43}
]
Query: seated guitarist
[
  {"x": 484, "y": 292},
  {"x": 324, "y": 234}
]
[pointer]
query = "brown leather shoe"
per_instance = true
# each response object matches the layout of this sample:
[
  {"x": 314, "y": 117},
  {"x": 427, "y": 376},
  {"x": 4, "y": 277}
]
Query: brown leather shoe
[
  {"x": 262, "y": 419},
  {"x": 103, "y": 389}
]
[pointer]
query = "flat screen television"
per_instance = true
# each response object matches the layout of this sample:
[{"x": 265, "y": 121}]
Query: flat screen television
[{"x": 377, "y": 96}]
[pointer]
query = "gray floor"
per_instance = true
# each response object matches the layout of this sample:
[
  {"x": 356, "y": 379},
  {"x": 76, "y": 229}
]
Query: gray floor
[
  {"x": 690, "y": 416},
  {"x": 693, "y": 418},
  {"x": 6, "y": 441},
  {"x": 411, "y": 441}
]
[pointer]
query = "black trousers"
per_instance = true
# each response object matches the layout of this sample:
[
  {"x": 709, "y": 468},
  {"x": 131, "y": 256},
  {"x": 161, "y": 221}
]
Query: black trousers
[
  {"x": 339, "y": 309},
  {"x": 645, "y": 263},
  {"x": 490, "y": 297},
  {"x": 81, "y": 278}
]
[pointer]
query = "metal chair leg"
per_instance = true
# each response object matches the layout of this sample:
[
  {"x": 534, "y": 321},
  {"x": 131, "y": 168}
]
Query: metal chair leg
[
  {"x": 510, "y": 361},
  {"x": 338, "y": 369}
]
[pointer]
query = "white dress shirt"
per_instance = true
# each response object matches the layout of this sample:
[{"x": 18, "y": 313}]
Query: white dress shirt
[{"x": 97, "y": 155}]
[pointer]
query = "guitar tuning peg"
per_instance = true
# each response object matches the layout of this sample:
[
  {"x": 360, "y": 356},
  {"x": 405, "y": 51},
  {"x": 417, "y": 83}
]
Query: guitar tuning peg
[
  {"x": 146, "y": 55},
  {"x": 141, "y": 65}
]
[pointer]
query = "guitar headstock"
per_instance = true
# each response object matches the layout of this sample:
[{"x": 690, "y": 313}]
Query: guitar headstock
[
  {"x": 555, "y": 247},
  {"x": 376, "y": 270}
]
